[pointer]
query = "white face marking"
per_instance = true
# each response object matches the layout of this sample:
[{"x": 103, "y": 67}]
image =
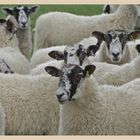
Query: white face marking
[{"x": 22, "y": 19}]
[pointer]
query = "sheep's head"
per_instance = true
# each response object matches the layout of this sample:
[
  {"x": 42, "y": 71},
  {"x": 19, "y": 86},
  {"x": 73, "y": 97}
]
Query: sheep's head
[
  {"x": 115, "y": 42},
  {"x": 21, "y": 13},
  {"x": 70, "y": 78},
  {"x": 76, "y": 54}
]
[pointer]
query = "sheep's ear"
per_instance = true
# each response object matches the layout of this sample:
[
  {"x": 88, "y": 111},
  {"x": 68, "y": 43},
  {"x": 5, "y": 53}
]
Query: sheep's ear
[
  {"x": 10, "y": 25},
  {"x": 33, "y": 9},
  {"x": 78, "y": 52},
  {"x": 58, "y": 55},
  {"x": 53, "y": 71},
  {"x": 138, "y": 48},
  {"x": 89, "y": 69},
  {"x": 7, "y": 11},
  {"x": 106, "y": 9},
  {"x": 133, "y": 35},
  {"x": 92, "y": 49},
  {"x": 99, "y": 35}
]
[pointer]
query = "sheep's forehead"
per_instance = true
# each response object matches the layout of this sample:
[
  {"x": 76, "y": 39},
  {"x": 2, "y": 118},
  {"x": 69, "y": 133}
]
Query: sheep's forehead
[
  {"x": 69, "y": 68},
  {"x": 117, "y": 34}
]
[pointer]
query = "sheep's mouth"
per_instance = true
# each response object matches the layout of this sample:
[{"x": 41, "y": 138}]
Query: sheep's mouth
[{"x": 116, "y": 59}]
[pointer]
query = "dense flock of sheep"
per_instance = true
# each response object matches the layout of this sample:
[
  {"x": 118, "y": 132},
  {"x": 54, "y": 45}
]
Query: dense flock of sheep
[{"x": 81, "y": 76}]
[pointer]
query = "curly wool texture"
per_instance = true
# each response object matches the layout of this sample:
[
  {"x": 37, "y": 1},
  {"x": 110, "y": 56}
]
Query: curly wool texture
[
  {"x": 102, "y": 110},
  {"x": 50, "y": 32},
  {"x": 30, "y": 104},
  {"x": 10, "y": 52}
]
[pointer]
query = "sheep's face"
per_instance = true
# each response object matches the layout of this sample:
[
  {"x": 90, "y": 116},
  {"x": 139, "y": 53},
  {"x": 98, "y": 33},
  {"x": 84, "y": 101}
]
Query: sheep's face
[
  {"x": 76, "y": 54},
  {"x": 21, "y": 13},
  {"x": 70, "y": 79},
  {"x": 115, "y": 43}
]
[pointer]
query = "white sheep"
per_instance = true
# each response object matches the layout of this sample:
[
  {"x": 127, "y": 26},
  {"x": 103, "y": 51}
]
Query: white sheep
[
  {"x": 9, "y": 50},
  {"x": 30, "y": 104},
  {"x": 22, "y": 15},
  {"x": 88, "y": 108},
  {"x": 66, "y": 28},
  {"x": 111, "y": 8}
]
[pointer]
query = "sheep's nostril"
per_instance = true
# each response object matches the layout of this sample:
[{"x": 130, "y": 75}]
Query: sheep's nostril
[
  {"x": 115, "y": 54},
  {"x": 60, "y": 95}
]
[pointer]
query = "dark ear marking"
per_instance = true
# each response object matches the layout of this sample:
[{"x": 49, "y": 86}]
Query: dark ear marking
[
  {"x": 7, "y": 11},
  {"x": 89, "y": 69},
  {"x": 133, "y": 35},
  {"x": 138, "y": 48},
  {"x": 33, "y": 9},
  {"x": 99, "y": 35},
  {"x": 9, "y": 25},
  {"x": 79, "y": 50},
  {"x": 2, "y": 21},
  {"x": 53, "y": 71},
  {"x": 58, "y": 55},
  {"x": 92, "y": 49},
  {"x": 106, "y": 9}
]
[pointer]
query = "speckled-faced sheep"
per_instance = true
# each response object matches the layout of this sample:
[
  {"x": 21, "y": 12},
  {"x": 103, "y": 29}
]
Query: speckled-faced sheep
[
  {"x": 76, "y": 54},
  {"x": 105, "y": 74},
  {"x": 22, "y": 15},
  {"x": 66, "y": 28},
  {"x": 91, "y": 109},
  {"x": 111, "y": 8},
  {"x": 9, "y": 50},
  {"x": 115, "y": 48},
  {"x": 42, "y": 55}
]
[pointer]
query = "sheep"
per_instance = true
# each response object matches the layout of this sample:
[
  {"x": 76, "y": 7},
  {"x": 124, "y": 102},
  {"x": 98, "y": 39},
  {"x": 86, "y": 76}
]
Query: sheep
[
  {"x": 87, "y": 108},
  {"x": 115, "y": 48},
  {"x": 42, "y": 55},
  {"x": 22, "y": 13},
  {"x": 111, "y": 74},
  {"x": 66, "y": 28},
  {"x": 111, "y": 8},
  {"x": 30, "y": 104},
  {"x": 9, "y": 50},
  {"x": 76, "y": 54}
]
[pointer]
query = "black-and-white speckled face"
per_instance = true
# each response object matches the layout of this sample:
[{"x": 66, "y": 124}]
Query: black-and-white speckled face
[
  {"x": 21, "y": 13},
  {"x": 70, "y": 77},
  {"x": 76, "y": 54},
  {"x": 116, "y": 41}
]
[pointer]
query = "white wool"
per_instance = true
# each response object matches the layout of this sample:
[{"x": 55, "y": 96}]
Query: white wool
[{"x": 66, "y": 28}]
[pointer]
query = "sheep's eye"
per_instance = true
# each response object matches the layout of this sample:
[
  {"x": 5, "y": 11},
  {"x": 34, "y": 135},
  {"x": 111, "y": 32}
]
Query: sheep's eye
[{"x": 78, "y": 77}]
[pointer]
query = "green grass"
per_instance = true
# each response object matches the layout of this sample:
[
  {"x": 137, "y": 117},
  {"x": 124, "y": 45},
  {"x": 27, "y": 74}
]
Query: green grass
[{"x": 76, "y": 9}]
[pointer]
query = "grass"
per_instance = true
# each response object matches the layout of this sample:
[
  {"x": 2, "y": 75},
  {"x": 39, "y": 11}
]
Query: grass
[{"x": 76, "y": 9}]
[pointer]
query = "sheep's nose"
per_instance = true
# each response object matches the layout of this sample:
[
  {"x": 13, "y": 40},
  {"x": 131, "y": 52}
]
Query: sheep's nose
[
  {"x": 115, "y": 54},
  {"x": 24, "y": 23},
  {"x": 59, "y": 96}
]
